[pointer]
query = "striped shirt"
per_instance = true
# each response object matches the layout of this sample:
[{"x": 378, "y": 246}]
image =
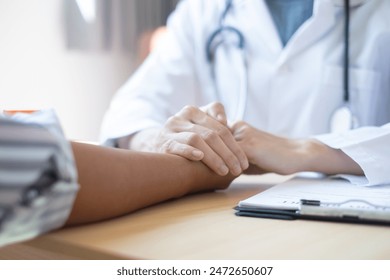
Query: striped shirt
[{"x": 38, "y": 180}]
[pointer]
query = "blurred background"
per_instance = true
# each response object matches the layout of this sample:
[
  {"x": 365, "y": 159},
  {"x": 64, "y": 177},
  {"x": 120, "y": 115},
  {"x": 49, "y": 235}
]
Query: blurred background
[{"x": 73, "y": 55}]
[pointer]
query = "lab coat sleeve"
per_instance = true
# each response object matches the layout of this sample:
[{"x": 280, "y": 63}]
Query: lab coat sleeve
[
  {"x": 367, "y": 146},
  {"x": 38, "y": 179},
  {"x": 163, "y": 85}
]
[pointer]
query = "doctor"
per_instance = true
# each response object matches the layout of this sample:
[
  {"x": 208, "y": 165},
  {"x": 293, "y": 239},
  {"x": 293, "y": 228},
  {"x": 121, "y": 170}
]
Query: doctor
[{"x": 279, "y": 68}]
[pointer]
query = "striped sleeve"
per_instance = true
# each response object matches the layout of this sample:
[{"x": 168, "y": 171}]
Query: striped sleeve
[{"x": 38, "y": 179}]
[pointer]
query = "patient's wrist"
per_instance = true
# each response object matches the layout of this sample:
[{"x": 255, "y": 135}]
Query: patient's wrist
[
  {"x": 311, "y": 156},
  {"x": 303, "y": 155}
]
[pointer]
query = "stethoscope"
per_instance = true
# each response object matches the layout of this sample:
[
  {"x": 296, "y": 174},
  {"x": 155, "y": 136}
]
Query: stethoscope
[
  {"x": 216, "y": 39},
  {"x": 343, "y": 117}
]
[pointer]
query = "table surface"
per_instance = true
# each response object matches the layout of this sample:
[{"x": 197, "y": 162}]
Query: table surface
[{"x": 203, "y": 226}]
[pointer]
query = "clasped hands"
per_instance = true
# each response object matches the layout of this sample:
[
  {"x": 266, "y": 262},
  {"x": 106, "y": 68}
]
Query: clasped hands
[{"x": 203, "y": 134}]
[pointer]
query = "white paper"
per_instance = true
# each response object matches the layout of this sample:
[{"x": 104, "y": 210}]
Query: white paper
[{"x": 287, "y": 196}]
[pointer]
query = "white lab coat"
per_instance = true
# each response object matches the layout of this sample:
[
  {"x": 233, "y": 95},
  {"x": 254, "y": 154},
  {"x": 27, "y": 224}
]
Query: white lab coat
[{"x": 292, "y": 91}]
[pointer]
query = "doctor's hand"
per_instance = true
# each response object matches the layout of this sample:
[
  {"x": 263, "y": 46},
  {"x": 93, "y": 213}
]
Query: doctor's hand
[
  {"x": 270, "y": 153},
  {"x": 201, "y": 134}
]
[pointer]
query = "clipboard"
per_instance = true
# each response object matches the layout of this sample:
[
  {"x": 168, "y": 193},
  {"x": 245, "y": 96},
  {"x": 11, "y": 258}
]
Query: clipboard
[{"x": 326, "y": 199}]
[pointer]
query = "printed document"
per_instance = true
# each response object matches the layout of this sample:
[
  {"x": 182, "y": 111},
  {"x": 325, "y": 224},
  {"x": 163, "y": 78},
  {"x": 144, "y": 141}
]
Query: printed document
[{"x": 288, "y": 195}]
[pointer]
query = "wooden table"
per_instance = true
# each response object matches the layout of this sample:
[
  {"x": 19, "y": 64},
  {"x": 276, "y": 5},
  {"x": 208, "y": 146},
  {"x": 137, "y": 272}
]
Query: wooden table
[{"x": 203, "y": 226}]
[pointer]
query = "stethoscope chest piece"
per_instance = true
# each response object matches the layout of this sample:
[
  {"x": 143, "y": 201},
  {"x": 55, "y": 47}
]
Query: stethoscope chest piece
[{"x": 342, "y": 120}]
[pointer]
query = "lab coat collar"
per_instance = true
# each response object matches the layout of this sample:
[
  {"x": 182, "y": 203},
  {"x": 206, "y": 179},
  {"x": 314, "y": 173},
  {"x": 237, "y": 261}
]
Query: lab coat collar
[
  {"x": 257, "y": 20},
  {"x": 322, "y": 20},
  {"x": 253, "y": 17}
]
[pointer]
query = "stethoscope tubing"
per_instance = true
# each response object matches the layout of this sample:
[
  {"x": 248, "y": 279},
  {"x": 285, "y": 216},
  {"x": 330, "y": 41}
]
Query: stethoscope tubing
[{"x": 346, "y": 52}]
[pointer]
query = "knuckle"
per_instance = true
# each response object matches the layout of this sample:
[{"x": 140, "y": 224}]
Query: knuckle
[
  {"x": 193, "y": 139},
  {"x": 223, "y": 131},
  {"x": 168, "y": 146},
  {"x": 230, "y": 159},
  {"x": 209, "y": 135},
  {"x": 171, "y": 121},
  {"x": 189, "y": 110},
  {"x": 217, "y": 105}
]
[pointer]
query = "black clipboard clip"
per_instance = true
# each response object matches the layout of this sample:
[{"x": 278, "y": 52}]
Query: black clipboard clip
[
  {"x": 360, "y": 211},
  {"x": 364, "y": 213}
]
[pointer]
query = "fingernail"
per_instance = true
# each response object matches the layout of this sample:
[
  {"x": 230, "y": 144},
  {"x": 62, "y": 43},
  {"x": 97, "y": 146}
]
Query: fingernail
[
  {"x": 224, "y": 170},
  {"x": 197, "y": 153}
]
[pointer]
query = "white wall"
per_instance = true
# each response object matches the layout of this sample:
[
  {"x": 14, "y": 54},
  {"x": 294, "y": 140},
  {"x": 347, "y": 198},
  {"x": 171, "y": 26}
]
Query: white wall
[{"x": 37, "y": 71}]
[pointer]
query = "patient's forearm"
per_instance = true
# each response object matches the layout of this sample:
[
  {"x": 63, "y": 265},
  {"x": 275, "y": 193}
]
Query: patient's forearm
[{"x": 114, "y": 182}]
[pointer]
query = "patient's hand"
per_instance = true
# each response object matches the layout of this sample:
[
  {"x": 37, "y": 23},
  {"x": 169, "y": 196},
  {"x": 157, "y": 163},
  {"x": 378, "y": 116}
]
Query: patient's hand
[
  {"x": 267, "y": 152},
  {"x": 286, "y": 156}
]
